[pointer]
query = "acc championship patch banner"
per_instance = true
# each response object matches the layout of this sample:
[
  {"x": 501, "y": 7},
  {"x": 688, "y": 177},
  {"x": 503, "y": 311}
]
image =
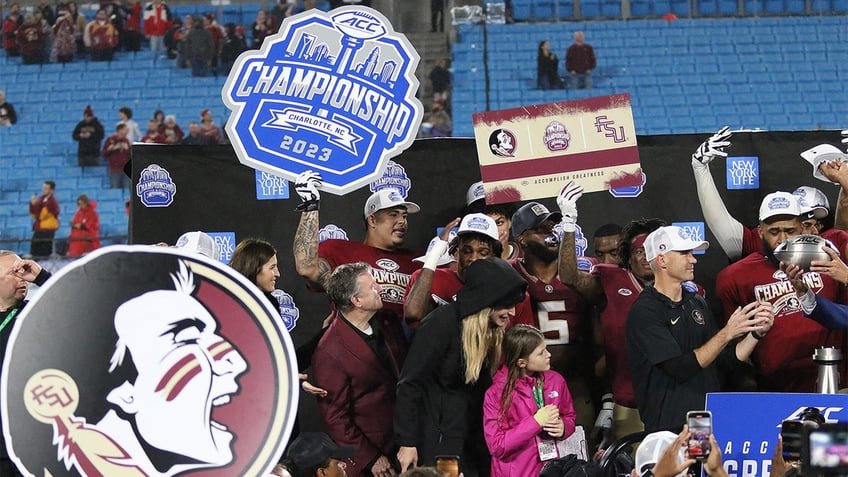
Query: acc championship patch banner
[
  {"x": 746, "y": 425},
  {"x": 148, "y": 361},
  {"x": 333, "y": 92},
  {"x": 531, "y": 152}
]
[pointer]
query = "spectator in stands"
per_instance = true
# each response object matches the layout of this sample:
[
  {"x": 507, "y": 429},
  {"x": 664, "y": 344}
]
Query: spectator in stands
[
  {"x": 262, "y": 27},
  {"x": 132, "y": 26},
  {"x": 45, "y": 211},
  {"x": 80, "y": 24},
  {"x": 208, "y": 127},
  {"x": 181, "y": 37},
  {"x": 547, "y": 64},
  {"x": 579, "y": 62},
  {"x": 233, "y": 45},
  {"x": 154, "y": 135},
  {"x": 10, "y": 28},
  {"x": 173, "y": 132},
  {"x": 217, "y": 32},
  {"x": 30, "y": 41},
  {"x": 171, "y": 38},
  {"x": 341, "y": 3},
  {"x": 440, "y": 120},
  {"x": 88, "y": 133},
  {"x": 279, "y": 13},
  {"x": 440, "y": 80},
  {"x": 117, "y": 16},
  {"x": 195, "y": 138},
  {"x": 47, "y": 30},
  {"x": 437, "y": 15},
  {"x": 65, "y": 42},
  {"x": 159, "y": 116},
  {"x": 157, "y": 20},
  {"x": 85, "y": 228},
  {"x": 101, "y": 37},
  {"x": 46, "y": 12},
  {"x": 200, "y": 49},
  {"x": 133, "y": 132},
  {"x": 8, "y": 116},
  {"x": 116, "y": 150}
]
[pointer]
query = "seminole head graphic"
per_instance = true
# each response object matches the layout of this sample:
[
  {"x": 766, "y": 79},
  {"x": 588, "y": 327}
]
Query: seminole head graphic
[{"x": 145, "y": 361}]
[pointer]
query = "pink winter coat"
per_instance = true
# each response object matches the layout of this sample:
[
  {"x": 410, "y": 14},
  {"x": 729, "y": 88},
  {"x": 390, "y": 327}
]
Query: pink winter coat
[{"x": 511, "y": 441}]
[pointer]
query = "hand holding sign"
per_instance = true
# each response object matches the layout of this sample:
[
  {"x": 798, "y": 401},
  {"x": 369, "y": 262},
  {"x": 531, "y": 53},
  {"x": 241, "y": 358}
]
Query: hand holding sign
[
  {"x": 307, "y": 185},
  {"x": 567, "y": 202},
  {"x": 713, "y": 147}
]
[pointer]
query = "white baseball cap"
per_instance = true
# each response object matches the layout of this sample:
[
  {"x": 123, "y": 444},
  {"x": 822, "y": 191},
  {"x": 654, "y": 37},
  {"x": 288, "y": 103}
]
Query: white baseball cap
[
  {"x": 444, "y": 259},
  {"x": 651, "y": 450},
  {"x": 475, "y": 193},
  {"x": 779, "y": 203},
  {"x": 823, "y": 153},
  {"x": 671, "y": 238},
  {"x": 199, "y": 242},
  {"x": 388, "y": 198},
  {"x": 479, "y": 223},
  {"x": 813, "y": 202}
]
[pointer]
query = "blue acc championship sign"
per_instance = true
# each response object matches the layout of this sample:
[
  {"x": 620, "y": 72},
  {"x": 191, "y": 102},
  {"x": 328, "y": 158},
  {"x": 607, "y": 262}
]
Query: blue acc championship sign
[{"x": 331, "y": 92}]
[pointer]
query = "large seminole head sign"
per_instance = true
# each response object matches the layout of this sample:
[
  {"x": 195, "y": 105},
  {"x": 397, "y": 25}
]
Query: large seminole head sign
[
  {"x": 148, "y": 361},
  {"x": 331, "y": 92}
]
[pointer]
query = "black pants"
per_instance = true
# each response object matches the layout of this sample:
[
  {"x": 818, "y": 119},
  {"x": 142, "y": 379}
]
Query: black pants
[
  {"x": 42, "y": 243},
  {"x": 437, "y": 15}
]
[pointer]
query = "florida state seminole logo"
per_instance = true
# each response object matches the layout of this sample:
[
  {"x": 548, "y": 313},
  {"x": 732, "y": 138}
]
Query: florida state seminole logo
[
  {"x": 145, "y": 361},
  {"x": 332, "y": 92}
]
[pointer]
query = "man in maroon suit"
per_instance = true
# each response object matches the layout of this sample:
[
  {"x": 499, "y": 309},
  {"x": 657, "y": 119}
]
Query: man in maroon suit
[{"x": 358, "y": 361}]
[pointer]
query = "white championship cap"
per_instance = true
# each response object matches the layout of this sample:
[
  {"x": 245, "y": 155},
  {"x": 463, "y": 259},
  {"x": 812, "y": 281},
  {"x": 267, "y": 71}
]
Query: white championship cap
[
  {"x": 479, "y": 223},
  {"x": 199, "y": 242},
  {"x": 651, "y": 450},
  {"x": 813, "y": 202},
  {"x": 671, "y": 238},
  {"x": 386, "y": 199},
  {"x": 779, "y": 203},
  {"x": 475, "y": 193},
  {"x": 823, "y": 153},
  {"x": 444, "y": 259}
]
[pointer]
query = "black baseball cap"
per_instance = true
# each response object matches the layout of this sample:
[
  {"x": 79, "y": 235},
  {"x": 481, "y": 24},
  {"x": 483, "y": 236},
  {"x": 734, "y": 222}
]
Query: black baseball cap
[
  {"x": 530, "y": 216},
  {"x": 313, "y": 448}
]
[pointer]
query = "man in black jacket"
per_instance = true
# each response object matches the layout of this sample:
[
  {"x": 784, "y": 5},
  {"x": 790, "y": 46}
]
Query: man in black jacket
[{"x": 15, "y": 276}]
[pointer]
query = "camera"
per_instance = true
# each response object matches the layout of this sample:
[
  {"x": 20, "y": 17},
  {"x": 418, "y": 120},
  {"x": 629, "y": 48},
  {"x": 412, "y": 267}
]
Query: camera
[{"x": 794, "y": 432}]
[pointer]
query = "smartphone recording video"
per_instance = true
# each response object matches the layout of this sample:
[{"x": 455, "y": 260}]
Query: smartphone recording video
[
  {"x": 792, "y": 433},
  {"x": 448, "y": 465},
  {"x": 700, "y": 427},
  {"x": 827, "y": 450}
]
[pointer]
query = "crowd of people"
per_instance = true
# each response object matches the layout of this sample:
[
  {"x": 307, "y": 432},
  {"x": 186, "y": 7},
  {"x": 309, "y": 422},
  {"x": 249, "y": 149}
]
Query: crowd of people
[
  {"x": 44, "y": 209},
  {"x": 161, "y": 129},
  {"x": 486, "y": 348}
]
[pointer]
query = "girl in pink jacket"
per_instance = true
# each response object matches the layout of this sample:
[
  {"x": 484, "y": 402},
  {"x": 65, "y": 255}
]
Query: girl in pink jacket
[{"x": 528, "y": 407}]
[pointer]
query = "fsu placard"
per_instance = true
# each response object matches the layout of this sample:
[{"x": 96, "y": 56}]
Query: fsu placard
[{"x": 531, "y": 152}]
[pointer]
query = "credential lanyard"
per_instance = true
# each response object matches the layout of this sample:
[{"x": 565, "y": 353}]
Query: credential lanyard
[
  {"x": 538, "y": 394},
  {"x": 9, "y": 318}
]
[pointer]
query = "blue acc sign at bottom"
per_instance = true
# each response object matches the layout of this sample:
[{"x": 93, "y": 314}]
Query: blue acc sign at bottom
[
  {"x": 695, "y": 230},
  {"x": 331, "y": 92},
  {"x": 746, "y": 425}
]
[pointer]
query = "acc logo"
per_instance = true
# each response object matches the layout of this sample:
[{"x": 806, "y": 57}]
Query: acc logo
[
  {"x": 288, "y": 310},
  {"x": 155, "y": 187},
  {"x": 502, "y": 143},
  {"x": 556, "y": 137},
  {"x": 332, "y": 92},
  {"x": 394, "y": 177},
  {"x": 331, "y": 232},
  {"x": 191, "y": 371},
  {"x": 388, "y": 264}
]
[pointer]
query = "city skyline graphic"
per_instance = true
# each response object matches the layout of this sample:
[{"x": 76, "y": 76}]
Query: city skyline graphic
[{"x": 310, "y": 50}]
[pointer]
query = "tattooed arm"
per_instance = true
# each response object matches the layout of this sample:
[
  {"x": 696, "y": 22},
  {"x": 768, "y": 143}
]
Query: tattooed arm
[{"x": 307, "y": 262}]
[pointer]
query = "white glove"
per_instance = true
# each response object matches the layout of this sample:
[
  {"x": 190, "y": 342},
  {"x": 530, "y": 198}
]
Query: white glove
[
  {"x": 845, "y": 139},
  {"x": 306, "y": 186},
  {"x": 713, "y": 147},
  {"x": 604, "y": 420},
  {"x": 567, "y": 203}
]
